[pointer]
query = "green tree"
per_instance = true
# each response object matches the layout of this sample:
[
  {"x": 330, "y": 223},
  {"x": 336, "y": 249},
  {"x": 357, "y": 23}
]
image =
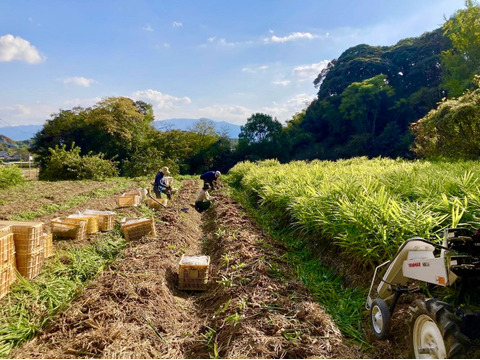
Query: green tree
[
  {"x": 362, "y": 102},
  {"x": 462, "y": 61},
  {"x": 259, "y": 128},
  {"x": 452, "y": 130}
]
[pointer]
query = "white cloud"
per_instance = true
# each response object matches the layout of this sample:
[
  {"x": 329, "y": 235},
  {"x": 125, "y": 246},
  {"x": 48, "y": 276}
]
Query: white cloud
[
  {"x": 148, "y": 28},
  {"x": 79, "y": 81},
  {"x": 177, "y": 24},
  {"x": 281, "y": 82},
  {"x": 224, "y": 43},
  {"x": 15, "y": 48},
  {"x": 26, "y": 114},
  {"x": 292, "y": 37},
  {"x": 286, "y": 110},
  {"x": 161, "y": 101},
  {"x": 254, "y": 70},
  {"x": 309, "y": 72}
]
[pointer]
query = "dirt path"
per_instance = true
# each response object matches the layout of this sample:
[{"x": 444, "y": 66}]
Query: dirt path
[{"x": 253, "y": 306}]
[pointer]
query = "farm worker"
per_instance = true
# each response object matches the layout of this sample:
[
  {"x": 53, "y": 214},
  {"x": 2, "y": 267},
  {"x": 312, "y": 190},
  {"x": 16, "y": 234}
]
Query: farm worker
[
  {"x": 160, "y": 185},
  {"x": 210, "y": 177},
  {"x": 203, "y": 199}
]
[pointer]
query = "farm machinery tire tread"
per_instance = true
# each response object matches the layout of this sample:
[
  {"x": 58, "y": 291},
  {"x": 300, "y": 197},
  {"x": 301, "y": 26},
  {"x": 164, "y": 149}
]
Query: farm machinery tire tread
[{"x": 448, "y": 324}]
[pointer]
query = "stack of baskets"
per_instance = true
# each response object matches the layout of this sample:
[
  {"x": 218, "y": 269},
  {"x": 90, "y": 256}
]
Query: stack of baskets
[
  {"x": 106, "y": 219},
  {"x": 7, "y": 259},
  {"x": 48, "y": 240},
  {"x": 193, "y": 272},
  {"x": 92, "y": 221},
  {"x": 138, "y": 228},
  {"x": 69, "y": 228},
  {"x": 29, "y": 246}
]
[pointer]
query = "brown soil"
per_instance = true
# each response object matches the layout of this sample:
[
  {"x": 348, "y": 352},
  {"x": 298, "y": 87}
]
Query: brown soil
[{"x": 253, "y": 306}]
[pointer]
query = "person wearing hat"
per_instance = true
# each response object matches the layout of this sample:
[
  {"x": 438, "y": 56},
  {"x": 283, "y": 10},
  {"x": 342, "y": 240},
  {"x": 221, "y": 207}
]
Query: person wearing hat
[
  {"x": 160, "y": 185},
  {"x": 203, "y": 201},
  {"x": 210, "y": 178}
]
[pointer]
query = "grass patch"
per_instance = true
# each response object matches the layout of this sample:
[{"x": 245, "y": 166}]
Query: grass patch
[
  {"x": 32, "y": 303},
  {"x": 119, "y": 185}
]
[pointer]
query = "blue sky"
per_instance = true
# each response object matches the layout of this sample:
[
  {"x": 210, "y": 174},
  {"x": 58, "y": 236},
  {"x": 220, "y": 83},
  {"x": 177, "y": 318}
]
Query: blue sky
[{"x": 223, "y": 60}]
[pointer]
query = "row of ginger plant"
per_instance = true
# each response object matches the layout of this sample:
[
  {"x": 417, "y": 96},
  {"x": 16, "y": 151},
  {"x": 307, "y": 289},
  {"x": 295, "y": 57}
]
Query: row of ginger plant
[{"x": 366, "y": 207}]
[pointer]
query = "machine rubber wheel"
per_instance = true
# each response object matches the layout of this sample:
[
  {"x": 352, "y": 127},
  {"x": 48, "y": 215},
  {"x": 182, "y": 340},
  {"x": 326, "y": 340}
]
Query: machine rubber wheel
[
  {"x": 436, "y": 331},
  {"x": 380, "y": 318}
]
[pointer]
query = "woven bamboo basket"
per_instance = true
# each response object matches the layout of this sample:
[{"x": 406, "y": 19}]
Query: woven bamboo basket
[
  {"x": 48, "y": 240},
  {"x": 92, "y": 221},
  {"x": 152, "y": 204},
  {"x": 29, "y": 264},
  {"x": 138, "y": 228},
  {"x": 69, "y": 228},
  {"x": 7, "y": 250},
  {"x": 5, "y": 230},
  {"x": 106, "y": 219},
  {"x": 5, "y": 281},
  {"x": 27, "y": 235},
  {"x": 193, "y": 272},
  {"x": 128, "y": 200},
  {"x": 140, "y": 192}
]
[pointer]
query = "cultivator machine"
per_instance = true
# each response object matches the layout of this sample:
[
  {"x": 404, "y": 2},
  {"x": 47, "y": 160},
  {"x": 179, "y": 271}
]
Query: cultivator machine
[{"x": 439, "y": 329}]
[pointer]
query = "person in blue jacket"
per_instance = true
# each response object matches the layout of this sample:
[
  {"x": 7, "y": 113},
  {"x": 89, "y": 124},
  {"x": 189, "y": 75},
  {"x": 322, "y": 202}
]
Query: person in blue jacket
[
  {"x": 160, "y": 185},
  {"x": 210, "y": 178}
]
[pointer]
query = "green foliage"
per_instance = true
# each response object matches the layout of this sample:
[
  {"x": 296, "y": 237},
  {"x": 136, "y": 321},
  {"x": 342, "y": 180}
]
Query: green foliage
[
  {"x": 63, "y": 164},
  {"x": 10, "y": 176},
  {"x": 116, "y": 127},
  {"x": 452, "y": 130},
  {"x": 366, "y": 207},
  {"x": 463, "y": 60}
]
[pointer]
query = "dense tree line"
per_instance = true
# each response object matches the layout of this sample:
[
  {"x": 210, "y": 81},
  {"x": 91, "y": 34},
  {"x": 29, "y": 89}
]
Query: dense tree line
[{"x": 372, "y": 100}]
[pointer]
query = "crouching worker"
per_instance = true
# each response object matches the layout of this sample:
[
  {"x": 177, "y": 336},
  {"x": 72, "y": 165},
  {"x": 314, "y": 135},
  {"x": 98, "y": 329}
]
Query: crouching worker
[
  {"x": 160, "y": 186},
  {"x": 210, "y": 178},
  {"x": 203, "y": 201}
]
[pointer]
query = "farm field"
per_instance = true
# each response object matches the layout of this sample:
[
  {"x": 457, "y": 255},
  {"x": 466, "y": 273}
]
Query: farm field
[{"x": 128, "y": 305}]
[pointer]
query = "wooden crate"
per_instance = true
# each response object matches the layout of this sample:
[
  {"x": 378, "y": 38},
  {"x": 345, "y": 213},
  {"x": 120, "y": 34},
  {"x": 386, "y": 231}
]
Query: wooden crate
[
  {"x": 29, "y": 264},
  {"x": 106, "y": 219},
  {"x": 138, "y": 228},
  {"x": 27, "y": 235},
  {"x": 5, "y": 230},
  {"x": 48, "y": 240},
  {"x": 7, "y": 250},
  {"x": 92, "y": 221},
  {"x": 128, "y": 200},
  {"x": 152, "y": 204},
  {"x": 193, "y": 272},
  {"x": 69, "y": 228}
]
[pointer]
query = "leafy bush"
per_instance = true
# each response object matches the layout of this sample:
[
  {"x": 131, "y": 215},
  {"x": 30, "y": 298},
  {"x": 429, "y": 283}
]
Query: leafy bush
[
  {"x": 63, "y": 164},
  {"x": 10, "y": 176}
]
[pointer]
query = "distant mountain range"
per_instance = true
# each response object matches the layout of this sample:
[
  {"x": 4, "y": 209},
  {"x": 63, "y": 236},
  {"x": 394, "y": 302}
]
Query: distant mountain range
[
  {"x": 25, "y": 132},
  {"x": 231, "y": 130},
  {"x": 21, "y": 132}
]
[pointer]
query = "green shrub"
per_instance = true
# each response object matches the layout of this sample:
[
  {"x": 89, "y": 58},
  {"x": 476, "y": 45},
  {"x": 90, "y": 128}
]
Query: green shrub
[
  {"x": 10, "y": 176},
  {"x": 63, "y": 164}
]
